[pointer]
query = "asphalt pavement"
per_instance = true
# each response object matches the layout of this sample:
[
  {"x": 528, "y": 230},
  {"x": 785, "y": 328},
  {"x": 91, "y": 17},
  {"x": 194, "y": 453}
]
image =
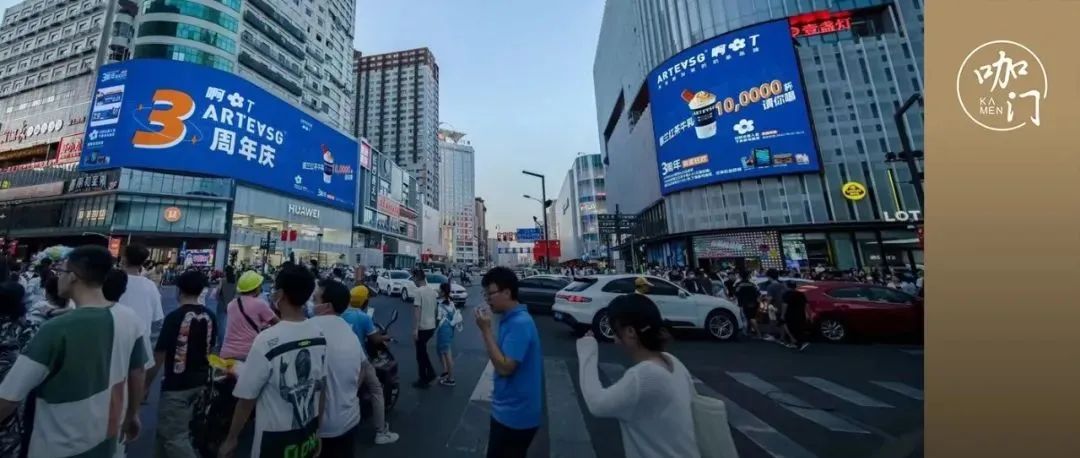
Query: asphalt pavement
[{"x": 829, "y": 401}]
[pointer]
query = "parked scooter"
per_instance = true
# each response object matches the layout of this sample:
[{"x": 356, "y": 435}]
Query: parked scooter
[{"x": 386, "y": 370}]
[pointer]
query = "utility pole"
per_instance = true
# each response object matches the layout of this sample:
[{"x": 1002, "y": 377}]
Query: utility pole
[
  {"x": 544, "y": 201},
  {"x": 905, "y": 143}
]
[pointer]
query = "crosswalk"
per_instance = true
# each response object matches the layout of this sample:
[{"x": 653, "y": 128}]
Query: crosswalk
[{"x": 768, "y": 414}]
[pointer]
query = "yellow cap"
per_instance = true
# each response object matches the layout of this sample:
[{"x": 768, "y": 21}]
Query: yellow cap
[
  {"x": 249, "y": 281},
  {"x": 358, "y": 296},
  {"x": 642, "y": 281}
]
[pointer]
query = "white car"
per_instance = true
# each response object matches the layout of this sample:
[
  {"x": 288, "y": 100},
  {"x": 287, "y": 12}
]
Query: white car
[
  {"x": 458, "y": 294},
  {"x": 583, "y": 305},
  {"x": 393, "y": 282}
]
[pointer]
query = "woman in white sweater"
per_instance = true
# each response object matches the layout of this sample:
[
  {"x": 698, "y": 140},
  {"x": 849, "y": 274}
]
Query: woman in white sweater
[{"x": 652, "y": 400}]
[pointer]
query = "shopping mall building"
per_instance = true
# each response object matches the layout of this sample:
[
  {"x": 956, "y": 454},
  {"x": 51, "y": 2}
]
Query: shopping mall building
[
  {"x": 248, "y": 179},
  {"x": 802, "y": 175}
]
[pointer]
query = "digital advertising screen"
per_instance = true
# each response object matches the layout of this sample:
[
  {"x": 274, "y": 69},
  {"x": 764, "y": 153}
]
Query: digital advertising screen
[
  {"x": 730, "y": 108},
  {"x": 178, "y": 116}
]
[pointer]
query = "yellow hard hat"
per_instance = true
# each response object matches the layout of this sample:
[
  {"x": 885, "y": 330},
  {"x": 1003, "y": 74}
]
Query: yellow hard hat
[
  {"x": 358, "y": 296},
  {"x": 249, "y": 281}
]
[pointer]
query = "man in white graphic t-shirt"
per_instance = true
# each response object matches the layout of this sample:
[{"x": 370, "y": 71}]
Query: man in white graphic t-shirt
[{"x": 284, "y": 377}]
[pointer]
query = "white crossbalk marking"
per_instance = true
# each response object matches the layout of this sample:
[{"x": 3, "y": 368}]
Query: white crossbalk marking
[
  {"x": 484, "y": 386},
  {"x": 911, "y": 392},
  {"x": 796, "y": 405},
  {"x": 567, "y": 433},
  {"x": 843, "y": 392},
  {"x": 768, "y": 438}
]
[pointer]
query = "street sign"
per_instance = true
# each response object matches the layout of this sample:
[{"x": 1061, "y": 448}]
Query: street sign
[
  {"x": 609, "y": 224},
  {"x": 529, "y": 235}
]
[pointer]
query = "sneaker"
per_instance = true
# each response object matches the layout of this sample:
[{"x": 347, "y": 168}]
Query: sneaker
[
  {"x": 447, "y": 382},
  {"x": 768, "y": 338},
  {"x": 803, "y": 346},
  {"x": 386, "y": 437}
]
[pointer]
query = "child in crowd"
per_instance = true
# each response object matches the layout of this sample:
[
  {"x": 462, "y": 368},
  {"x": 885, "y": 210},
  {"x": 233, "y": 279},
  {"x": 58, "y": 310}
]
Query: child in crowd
[{"x": 449, "y": 321}]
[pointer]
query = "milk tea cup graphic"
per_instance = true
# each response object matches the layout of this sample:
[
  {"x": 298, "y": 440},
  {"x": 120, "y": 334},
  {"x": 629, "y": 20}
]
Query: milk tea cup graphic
[{"x": 703, "y": 105}]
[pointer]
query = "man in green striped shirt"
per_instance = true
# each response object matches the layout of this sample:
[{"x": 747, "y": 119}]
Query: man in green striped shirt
[{"x": 87, "y": 366}]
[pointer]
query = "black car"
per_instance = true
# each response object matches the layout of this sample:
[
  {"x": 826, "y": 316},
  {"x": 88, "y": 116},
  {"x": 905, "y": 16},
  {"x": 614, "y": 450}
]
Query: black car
[{"x": 538, "y": 291}]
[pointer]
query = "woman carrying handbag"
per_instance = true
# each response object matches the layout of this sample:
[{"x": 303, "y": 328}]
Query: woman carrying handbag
[{"x": 659, "y": 411}]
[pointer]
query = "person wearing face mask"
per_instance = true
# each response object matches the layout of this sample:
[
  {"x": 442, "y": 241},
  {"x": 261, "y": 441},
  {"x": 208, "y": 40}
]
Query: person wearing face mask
[
  {"x": 652, "y": 400},
  {"x": 284, "y": 377}
]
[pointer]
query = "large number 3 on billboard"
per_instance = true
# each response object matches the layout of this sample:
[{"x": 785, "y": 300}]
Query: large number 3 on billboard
[{"x": 170, "y": 109}]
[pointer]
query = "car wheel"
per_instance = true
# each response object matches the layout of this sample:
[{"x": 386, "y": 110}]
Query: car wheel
[
  {"x": 602, "y": 328},
  {"x": 832, "y": 329},
  {"x": 722, "y": 325}
]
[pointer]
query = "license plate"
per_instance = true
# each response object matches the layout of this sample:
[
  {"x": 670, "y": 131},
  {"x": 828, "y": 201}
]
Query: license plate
[{"x": 558, "y": 316}]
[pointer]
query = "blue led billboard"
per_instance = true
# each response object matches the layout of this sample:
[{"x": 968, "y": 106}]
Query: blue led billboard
[
  {"x": 171, "y": 115},
  {"x": 730, "y": 108}
]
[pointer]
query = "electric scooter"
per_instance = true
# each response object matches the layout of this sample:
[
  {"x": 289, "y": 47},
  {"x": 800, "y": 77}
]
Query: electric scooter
[{"x": 386, "y": 370}]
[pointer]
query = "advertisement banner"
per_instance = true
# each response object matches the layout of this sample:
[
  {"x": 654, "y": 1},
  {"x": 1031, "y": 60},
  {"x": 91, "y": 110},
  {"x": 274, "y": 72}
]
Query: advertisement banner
[
  {"x": 172, "y": 115},
  {"x": 70, "y": 149},
  {"x": 365, "y": 154},
  {"x": 732, "y": 108}
]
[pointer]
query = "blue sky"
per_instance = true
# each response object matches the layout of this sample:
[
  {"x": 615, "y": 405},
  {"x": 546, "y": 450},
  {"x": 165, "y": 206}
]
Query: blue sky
[{"x": 516, "y": 75}]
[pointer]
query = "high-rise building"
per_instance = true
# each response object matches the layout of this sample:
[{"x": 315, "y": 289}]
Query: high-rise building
[
  {"x": 49, "y": 51},
  {"x": 860, "y": 60},
  {"x": 457, "y": 194},
  {"x": 397, "y": 110},
  {"x": 481, "y": 230},
  {"x": 582, "y": 198},
  {"x": 299, "y": 51}
]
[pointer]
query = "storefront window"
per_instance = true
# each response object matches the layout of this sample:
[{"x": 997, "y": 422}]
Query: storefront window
[
  {"x": 869, "y": 249},
  {"x": 844, "y": 250},
  {"x": 902, "y": 249},
  {"x": 170, "y": 184},
  {"x": 140, "y": 213}
]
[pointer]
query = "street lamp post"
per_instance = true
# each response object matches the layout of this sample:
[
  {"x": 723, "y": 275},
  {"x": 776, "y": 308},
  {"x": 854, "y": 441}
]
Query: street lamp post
[
  {"x": 905, "y": 143},
  {"x": 544, "y": 202}
]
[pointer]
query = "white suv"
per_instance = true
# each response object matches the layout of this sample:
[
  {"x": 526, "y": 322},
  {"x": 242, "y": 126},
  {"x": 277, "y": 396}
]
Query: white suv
[
  {"x": 393, "y": 282},
  {"x": 583, "y": 305}
]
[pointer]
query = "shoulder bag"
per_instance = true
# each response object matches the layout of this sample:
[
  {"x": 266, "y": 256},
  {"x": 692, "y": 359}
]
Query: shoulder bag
[
  {"x": 240, "y": 305},
  {"x": 711, "y": 427}
]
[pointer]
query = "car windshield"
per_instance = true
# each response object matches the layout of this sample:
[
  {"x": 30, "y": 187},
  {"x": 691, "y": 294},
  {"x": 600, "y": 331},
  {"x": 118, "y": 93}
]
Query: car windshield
[
  {"x": 436, "y": 279},
  {"x": 399, "y": 275}
]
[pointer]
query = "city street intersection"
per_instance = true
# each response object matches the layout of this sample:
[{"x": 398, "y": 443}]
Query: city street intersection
[{"x": 829, "y": 401}]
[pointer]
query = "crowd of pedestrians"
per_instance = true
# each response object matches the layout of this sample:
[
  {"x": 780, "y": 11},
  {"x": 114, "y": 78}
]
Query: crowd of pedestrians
[{"x": 82, "y": 343}]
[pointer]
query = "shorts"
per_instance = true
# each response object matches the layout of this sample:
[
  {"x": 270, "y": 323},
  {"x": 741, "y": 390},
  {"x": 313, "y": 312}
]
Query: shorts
[{"x": 444, "y": 338}]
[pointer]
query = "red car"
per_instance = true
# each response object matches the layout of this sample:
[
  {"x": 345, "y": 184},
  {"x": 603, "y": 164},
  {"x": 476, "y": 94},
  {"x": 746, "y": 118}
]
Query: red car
[{"x": 840, "y": 310}]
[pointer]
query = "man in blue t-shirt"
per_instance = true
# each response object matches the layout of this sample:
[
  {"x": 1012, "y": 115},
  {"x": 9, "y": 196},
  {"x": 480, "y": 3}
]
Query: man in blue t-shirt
[
  {"x": 517, "y": 360},
  {"x": 364, "y": 327}
]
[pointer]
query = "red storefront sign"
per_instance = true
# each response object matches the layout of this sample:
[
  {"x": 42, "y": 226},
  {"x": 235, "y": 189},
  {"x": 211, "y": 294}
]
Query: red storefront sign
[
  {"x": 70, "y": 149},
  {"x": 288, "y": 236},
  {"x": 819, "y": 23},
  {"x": 389, "y": 206},
  {"x": 365, "y": 154}
]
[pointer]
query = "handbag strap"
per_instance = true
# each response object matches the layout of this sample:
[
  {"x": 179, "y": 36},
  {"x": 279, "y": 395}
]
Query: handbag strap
[{"x": 240, "y": 305}]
